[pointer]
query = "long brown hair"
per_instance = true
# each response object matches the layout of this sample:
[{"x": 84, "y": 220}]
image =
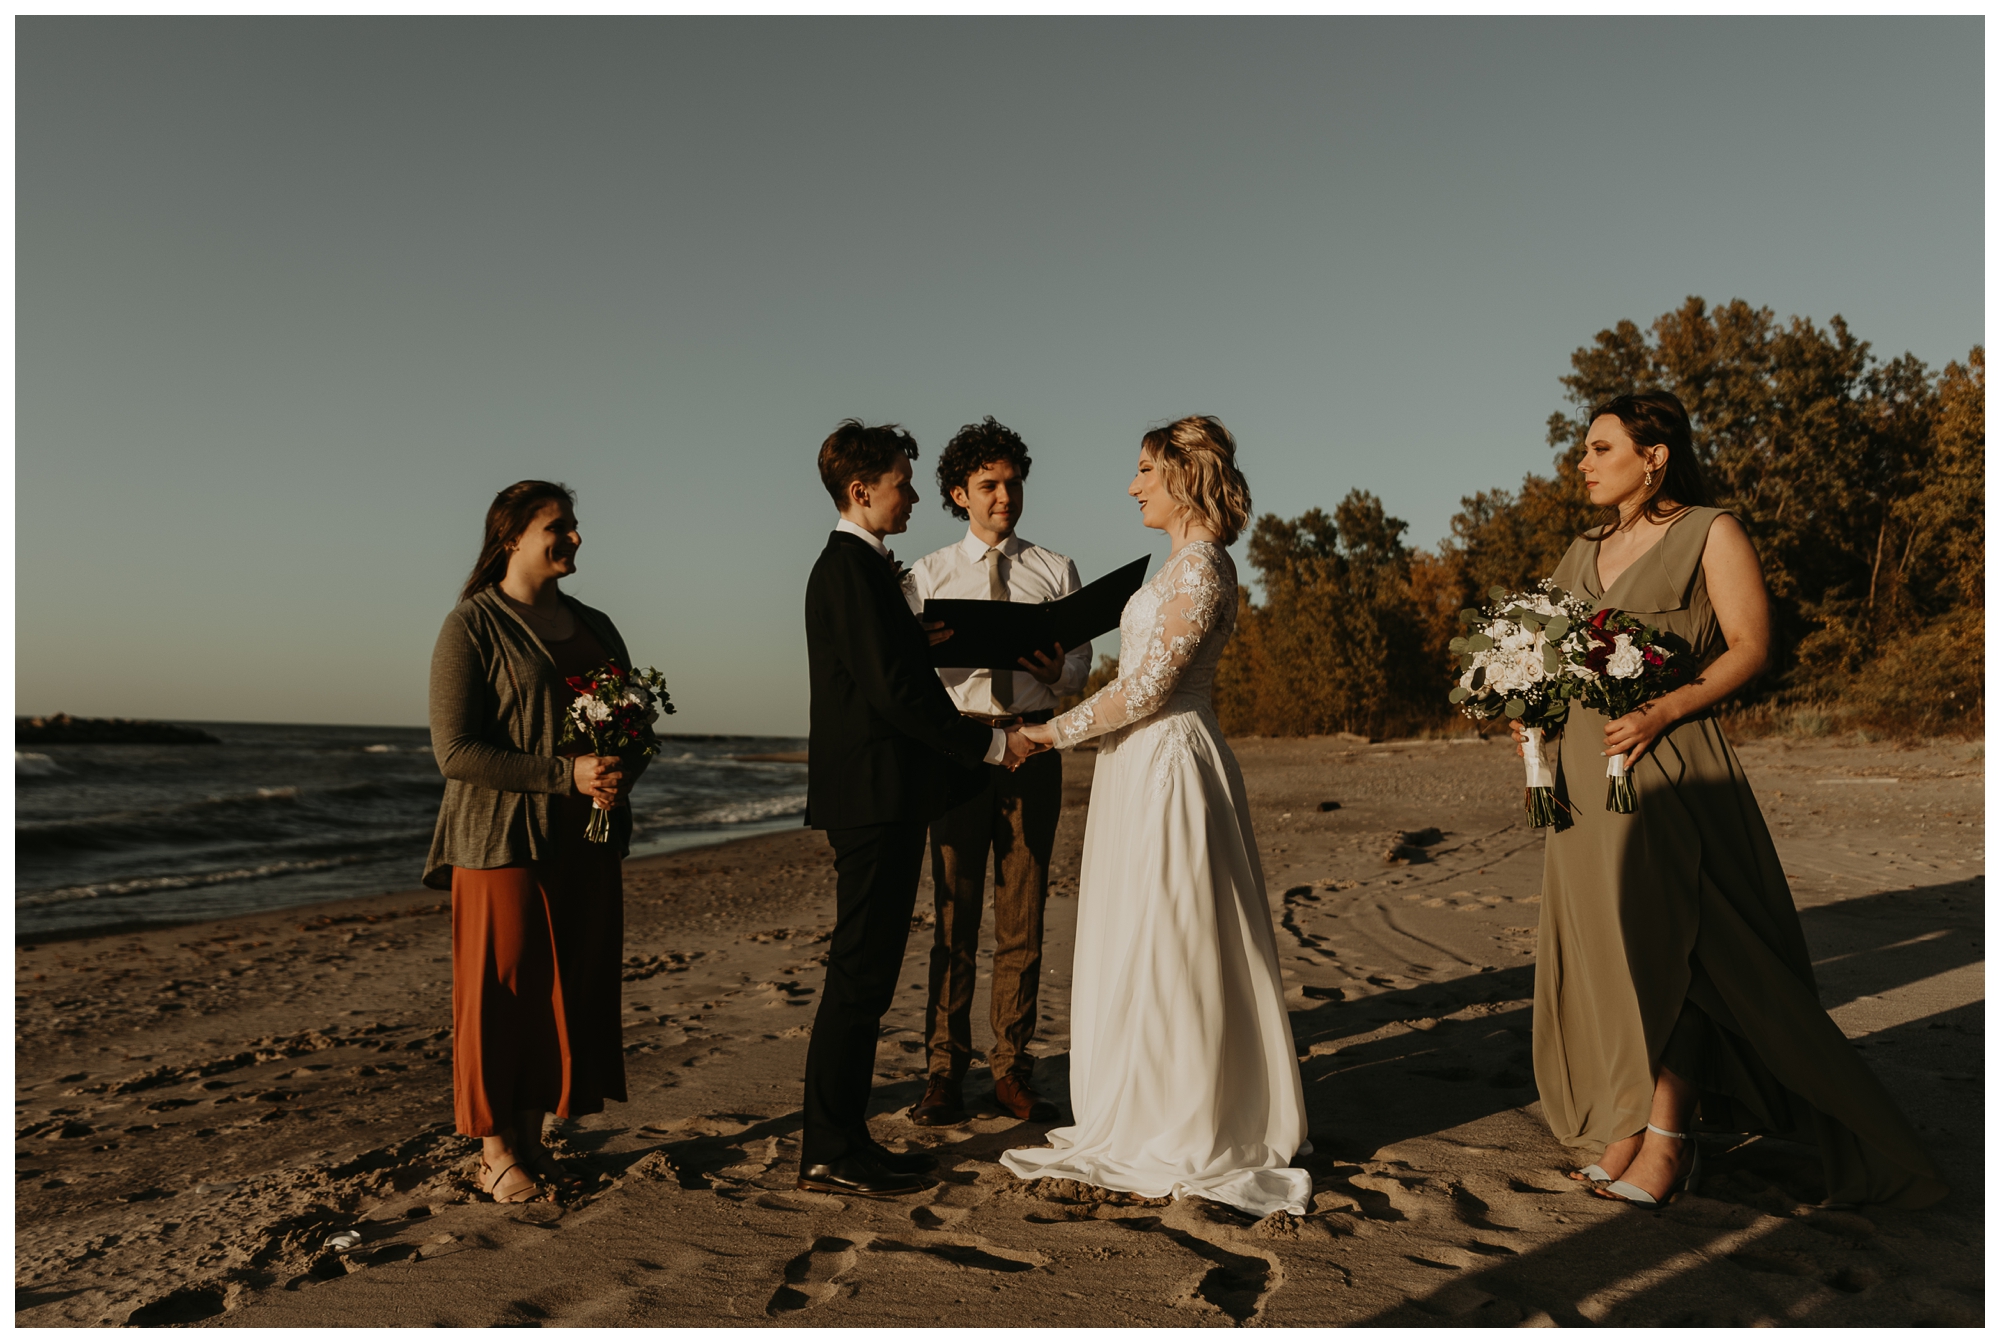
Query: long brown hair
[
  {"x": 513, "y": 509},
  {"x": 1658, "y": 419}
]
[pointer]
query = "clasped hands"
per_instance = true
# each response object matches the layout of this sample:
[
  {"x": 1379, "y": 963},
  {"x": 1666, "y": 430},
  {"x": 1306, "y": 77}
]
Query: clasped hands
[
  {"x": 1028, "y": 740},
  {"x": 1033, "y": 739},
  {"x": 601, "y": 778}
]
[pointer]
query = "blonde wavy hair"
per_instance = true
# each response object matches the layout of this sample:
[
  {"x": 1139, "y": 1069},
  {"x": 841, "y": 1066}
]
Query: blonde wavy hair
[{"x": 1196, "y": 456}]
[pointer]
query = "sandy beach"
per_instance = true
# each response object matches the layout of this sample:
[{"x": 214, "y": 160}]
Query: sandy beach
[{"x": 248, "y": 1122}]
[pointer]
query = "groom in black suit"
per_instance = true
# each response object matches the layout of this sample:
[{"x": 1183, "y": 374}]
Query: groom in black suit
[{"x": 889, "y": 751}]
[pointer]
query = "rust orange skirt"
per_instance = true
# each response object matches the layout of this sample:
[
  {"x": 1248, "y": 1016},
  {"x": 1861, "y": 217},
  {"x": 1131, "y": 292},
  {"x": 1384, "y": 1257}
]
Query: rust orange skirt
[{"x": 536, "y": 954}]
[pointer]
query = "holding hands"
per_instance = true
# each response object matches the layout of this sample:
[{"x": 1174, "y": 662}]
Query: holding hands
[{"x": 1030, "y": 740}]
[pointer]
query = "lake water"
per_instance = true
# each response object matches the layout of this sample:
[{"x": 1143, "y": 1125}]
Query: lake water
[{"x": 283, "y": 814}]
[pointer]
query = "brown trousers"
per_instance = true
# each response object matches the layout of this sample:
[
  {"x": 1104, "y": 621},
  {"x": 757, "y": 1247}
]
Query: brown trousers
[{"x": 1014, "y": 818}]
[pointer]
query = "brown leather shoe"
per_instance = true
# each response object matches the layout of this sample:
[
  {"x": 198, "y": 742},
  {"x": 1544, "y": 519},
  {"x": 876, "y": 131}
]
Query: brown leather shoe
[
  {"x": 943, "y": 1103},
  {"x": 1013, "y": 1095}
]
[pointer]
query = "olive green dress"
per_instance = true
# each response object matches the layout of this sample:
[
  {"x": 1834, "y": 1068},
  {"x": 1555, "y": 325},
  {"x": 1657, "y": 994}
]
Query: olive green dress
[{"x": 1669, "y": 936}]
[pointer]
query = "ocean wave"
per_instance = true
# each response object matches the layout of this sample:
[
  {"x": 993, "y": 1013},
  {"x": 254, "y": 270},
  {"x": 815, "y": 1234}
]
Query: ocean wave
[
  {"x": 270, "y": 813},
  {"x": 734, "y": 813},
  {"x": 30, "y": 765},
  {"x": 140, "y": 885}
]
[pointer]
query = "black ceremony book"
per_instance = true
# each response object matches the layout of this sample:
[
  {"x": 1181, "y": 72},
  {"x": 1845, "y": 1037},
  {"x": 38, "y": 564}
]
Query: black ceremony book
[{"x": 1000, "y": 634}]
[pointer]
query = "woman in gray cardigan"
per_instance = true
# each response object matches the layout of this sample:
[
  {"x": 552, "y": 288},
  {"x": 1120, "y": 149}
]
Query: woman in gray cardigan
[{"x": 537, "y": 911}]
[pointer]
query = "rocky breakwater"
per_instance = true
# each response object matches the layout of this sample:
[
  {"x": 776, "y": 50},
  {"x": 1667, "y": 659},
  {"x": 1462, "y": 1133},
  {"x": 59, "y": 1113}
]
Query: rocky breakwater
[{"x": 60, "y": 729}]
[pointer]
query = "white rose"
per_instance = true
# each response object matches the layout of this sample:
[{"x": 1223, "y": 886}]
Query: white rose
[
  {"x": 1517, "y": 671},
  {"x": 598, "y": 710},
  {"x": 1625, "y": 662}
]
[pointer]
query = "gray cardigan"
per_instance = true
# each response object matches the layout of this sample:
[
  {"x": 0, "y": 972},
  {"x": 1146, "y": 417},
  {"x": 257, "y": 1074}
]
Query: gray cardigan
[{"x": 496, "y": 721}]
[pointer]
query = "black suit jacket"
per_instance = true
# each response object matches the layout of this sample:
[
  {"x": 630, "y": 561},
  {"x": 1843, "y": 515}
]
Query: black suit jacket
[{"x": 887, "y": 742}]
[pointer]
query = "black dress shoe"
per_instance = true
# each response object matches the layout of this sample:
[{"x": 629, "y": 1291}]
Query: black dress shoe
[
  {"x": 943, "y": 1104},
  {"x": 918, "y": 1162},
  {"x": 861, "y": 1176}
]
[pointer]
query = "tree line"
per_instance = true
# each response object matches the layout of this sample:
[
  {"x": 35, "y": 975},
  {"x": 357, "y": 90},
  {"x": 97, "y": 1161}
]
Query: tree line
[{"x": 1861, "y": 483}]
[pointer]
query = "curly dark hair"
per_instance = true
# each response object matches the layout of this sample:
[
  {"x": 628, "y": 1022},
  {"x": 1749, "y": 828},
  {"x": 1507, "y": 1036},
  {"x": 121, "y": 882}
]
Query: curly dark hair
[{"x": 974, "y": 446}]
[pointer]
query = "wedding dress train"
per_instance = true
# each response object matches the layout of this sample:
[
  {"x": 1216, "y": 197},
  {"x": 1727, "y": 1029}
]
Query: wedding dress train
[{"x": 1183, "y": 1075}]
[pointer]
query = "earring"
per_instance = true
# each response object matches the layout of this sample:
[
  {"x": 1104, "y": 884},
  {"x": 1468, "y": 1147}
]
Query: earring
[{"x": 1649, "y": 477}]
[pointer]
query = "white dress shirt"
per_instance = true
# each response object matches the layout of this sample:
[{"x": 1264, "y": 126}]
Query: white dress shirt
[
  {"x": 996, "y": 752},
  {"x": 856, "y": 529},
  {"x": 1032, "y": 574}
]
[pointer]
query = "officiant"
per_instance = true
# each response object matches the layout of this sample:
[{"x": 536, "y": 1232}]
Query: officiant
[{"x": 1012, "y": 819}]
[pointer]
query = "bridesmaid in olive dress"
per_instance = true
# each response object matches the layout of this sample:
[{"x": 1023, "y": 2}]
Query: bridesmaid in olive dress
[{"x": 1673, "y": 978}]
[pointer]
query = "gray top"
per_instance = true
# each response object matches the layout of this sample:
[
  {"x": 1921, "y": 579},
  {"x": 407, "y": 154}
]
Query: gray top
[{"x": 496, "y": 719}]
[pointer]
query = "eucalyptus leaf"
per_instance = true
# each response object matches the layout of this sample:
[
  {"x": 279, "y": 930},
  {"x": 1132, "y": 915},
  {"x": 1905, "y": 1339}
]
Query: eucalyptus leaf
[
  {"x": 1557, "y": 627},
  {"x": 1516, "y": 707},
  {"x": 1469, "y": 616},
  {"x": 1497, "y": 593},
  {"x": 1459, "y": 694},
  {"x": 1551, "y": 659},
  {"x": 1457, "y": 645},
  {"x": 1478, "y": 643}
]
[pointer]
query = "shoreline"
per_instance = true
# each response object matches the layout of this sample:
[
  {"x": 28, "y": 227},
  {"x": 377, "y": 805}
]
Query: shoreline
[
  {"x": 249, "y": 1122},
  {"x": 87, "y": 932}
]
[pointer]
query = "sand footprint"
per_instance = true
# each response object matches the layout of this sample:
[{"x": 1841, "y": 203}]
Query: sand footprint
[
  {"x": 813, "y": 1277},
  {"x": 936, "y": 1216}
]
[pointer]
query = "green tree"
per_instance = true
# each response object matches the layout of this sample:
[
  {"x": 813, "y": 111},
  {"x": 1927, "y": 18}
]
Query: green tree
[
  {"x": 1338, "y": 644},
  {"x": 1861, "y": 483}
]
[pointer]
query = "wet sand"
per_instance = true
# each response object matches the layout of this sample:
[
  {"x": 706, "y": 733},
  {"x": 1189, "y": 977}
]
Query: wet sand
[{"x": 202, "y": 1111}]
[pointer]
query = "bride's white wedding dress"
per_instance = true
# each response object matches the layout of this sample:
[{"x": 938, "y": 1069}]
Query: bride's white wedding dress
[{"x": 1183, "y": 1075}]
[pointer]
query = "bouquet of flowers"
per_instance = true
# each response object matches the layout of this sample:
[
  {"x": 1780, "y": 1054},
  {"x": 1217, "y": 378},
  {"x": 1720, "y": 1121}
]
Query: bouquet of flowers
[
  {"x": 1521, "y": 657},
  {"x": 613, "y": 713},
  {"x": 1624, "y": 663}
]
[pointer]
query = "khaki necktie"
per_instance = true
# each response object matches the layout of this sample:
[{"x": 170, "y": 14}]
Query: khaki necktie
[{"x": 996, "y": 589}]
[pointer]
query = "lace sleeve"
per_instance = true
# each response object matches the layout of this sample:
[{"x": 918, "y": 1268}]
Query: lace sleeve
[{"x": 1190, "y": 610}]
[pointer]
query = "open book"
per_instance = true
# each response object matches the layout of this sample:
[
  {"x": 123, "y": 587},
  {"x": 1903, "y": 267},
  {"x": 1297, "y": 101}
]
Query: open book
[{"x": 1000, "y": 634}]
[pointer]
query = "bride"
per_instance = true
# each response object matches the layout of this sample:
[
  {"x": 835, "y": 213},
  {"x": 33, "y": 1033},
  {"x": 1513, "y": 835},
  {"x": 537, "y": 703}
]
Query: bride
[{"x": 1183, "y": 1076}]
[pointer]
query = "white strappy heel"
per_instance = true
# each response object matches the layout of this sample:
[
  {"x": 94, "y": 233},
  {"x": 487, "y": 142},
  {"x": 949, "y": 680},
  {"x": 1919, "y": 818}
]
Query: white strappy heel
[
  {"x": 1593, "y": 1174},
  {"x": 1633, "y": 1194}
]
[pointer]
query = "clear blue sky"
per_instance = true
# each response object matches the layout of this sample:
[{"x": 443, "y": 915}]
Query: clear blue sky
[{"x": 297, "y": 296}]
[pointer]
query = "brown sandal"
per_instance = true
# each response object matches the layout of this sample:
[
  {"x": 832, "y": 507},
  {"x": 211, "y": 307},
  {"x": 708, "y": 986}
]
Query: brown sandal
[{"x": 534, "y": 1193}]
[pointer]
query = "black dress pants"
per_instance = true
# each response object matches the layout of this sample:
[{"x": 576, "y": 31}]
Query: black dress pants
[{"x": 876, "y": 869}]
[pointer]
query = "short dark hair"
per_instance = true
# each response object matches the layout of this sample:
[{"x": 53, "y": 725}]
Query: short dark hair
[
  {"x": 506, "y": 518},
  {"x": 1659, "y": 419},
  {"x": 857, "y": 451},
  {"x": 974, "y": 446}
]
